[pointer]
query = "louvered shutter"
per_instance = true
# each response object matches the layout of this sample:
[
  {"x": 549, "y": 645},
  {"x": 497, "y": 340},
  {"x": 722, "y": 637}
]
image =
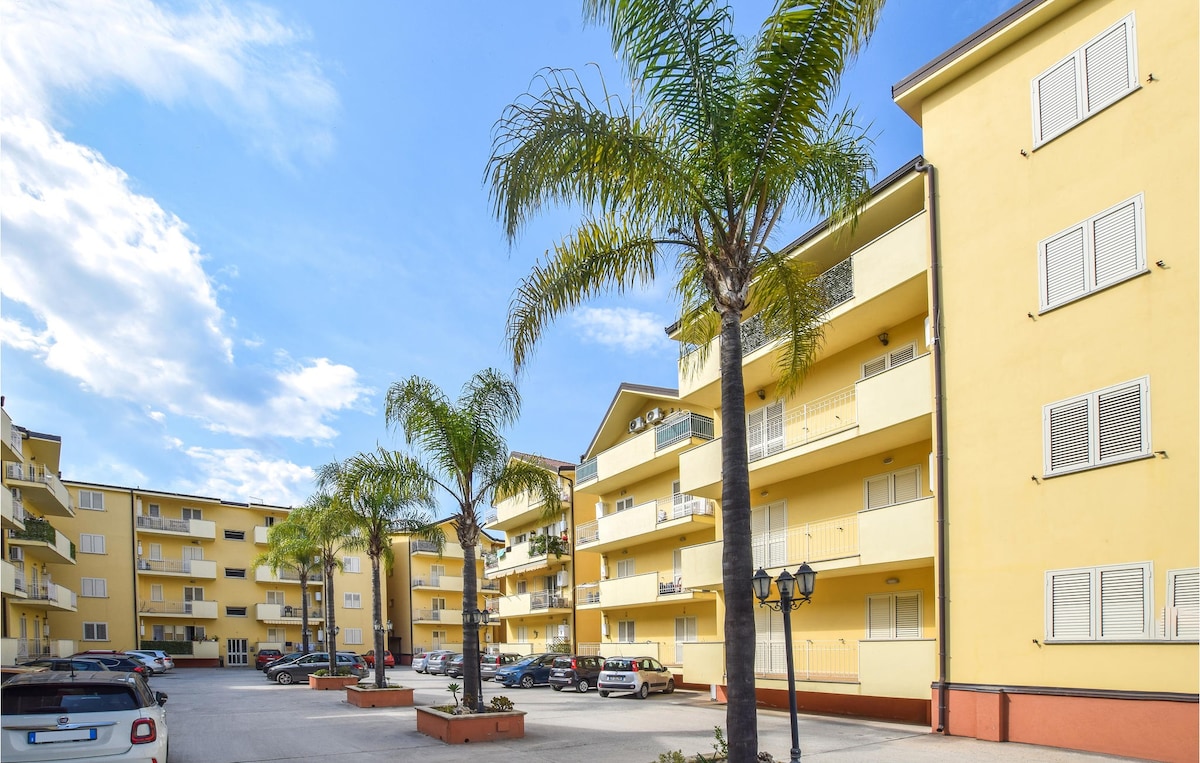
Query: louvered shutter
[
  {"x": 1183, "y": 599},
  {"x": 1121, "y": 423},
  {"x": 879, "y": 617},
  {"x": 1067, "y": 443},
  {"x": 906, "y": 485},
  {"x": 758, "y": 537},
  {"x": 1108, "y": 67},
  {"x": 770, "y": 649},
  {"x": 878, "y": 490},
  {"x": 1123, "y": 612},
  {"x": 1115, "y": 244},
  {"x": 1056, "y": 101},
  {"x": 874, "y": 366},
  {"x": 773, "y": 427},
  {"x": 1070, "y": 605},
  {"x": 908, "y": 615},
  {"x": 776, "y": 535},
  {"x": 754, "y": 434},
  {"x": 1064, "y": 275},
  {"x": 902, "y": 355}
]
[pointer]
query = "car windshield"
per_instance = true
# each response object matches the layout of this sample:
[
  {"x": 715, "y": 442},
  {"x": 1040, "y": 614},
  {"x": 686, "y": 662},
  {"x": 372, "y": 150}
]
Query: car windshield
[
  {"x": 616, "y": 663},
  {"x": 34, "y": 699}
]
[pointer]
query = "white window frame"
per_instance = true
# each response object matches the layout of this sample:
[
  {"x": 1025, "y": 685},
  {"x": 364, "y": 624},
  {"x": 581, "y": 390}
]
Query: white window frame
[
  {"x": 153, "y": 510},
  {"x": 92, "y": 543},
  {"x": 626, "y": 631},
  {"x": 352, "y": 635},
  {"x": 189, "y": 513},
  {"x": 98, "y": 631},
  {"x": 91, "y": 500},
  {"x": 1072, "y": 254},
  {"x": 768, "y": 540},
  {"x": 890, "y": 480},
  {"x": 1182, "y": 617},
  {"x": 1082, "y": 593},
  {"x": 351, "y": 564},
  {"x": 889, "y": 360},
  {"x": 626, "y": 568},
  {"x": 623, "y": 504},
  {"x": 894, "y": 616},
  {"x": 1071, "y": 72},
  {"x": 156, "y": 592},
  {"x": 765, "y": 430},
  {"x": 1077, "y": 421},
  {"x": 351, "y": 600},
  {"x": 93, "y": 588},
  {"x": 276, "y": 635},
  {"x": 276, "y": 597}
]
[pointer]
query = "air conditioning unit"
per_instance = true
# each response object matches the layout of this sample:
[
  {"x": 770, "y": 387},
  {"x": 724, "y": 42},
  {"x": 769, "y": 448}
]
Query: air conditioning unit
[
  {"x": 316, "y": 596},
  {"x": 600, "y": 509},
  {"x": 16, "y": 493},
  {"x": 16, "y": 554},
  {"x": 563, "y": 579},
  {"x": 637, "y": 424},
  {"x": 655, "y": 415},
  {"x": 604, "y": 627}
]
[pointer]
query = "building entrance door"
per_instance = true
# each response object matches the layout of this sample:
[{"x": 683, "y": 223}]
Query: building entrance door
[{"x": 236, "y": 652}]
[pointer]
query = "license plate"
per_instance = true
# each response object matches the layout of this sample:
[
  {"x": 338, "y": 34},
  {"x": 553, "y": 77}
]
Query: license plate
[
  {"x": 615, "y": 677},
  {"x": 69, "y": 735}
]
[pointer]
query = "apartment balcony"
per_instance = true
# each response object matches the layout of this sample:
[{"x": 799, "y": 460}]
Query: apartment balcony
[
  {"x": 50, "y": 596},
  {"x": 438, "y": 582},
  {"x": 520, "y": 510},
  {"x": 18, "y": 650},
  {"x": 260, "y": 535},
  {"x": 903, "y": 533},
  {"x": 646, "y": 590},
  {"x": 180, "y": 568},
  {"x": 880, "y": 284},
  {"x": 882, "y": 412},
  {"x": 10, "y": 439},
  {"x": 434, "y": 616},
  {"x": 283, "y": 614},
  {"x": 537, "y": 602},
  {"x": 12, "y": 511},
  {"x": 662, "y": 518},
  {"x": 488, "y": 586},
  {"x": 12, "y": 579},
  {"x": 525, "y": 557},
  {"x": 195, "y": 529},
  {"x": 192, "y": 610},
  {"x": 40, "y": 542},
  {"x": 268, "y": 575},
  {"x": 41, "y": 490},
  {"x": 654, "y": 451}
]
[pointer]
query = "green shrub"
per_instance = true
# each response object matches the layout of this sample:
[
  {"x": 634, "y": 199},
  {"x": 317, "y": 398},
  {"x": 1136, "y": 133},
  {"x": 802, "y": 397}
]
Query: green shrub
[{"x": 500, "y": 704}]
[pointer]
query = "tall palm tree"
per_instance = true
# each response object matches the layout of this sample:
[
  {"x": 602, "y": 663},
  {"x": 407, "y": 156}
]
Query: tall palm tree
[
  {"x": 386, "y": 494},
  {"x": 719, "y": 139},
  {"x": 289, "y": 548},
  {"x": 329, "y": 523},
  {"x": 462, "y": 450}
]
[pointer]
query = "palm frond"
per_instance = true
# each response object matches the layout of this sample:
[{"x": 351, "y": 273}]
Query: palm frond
[{"x": 792, "y": 306}]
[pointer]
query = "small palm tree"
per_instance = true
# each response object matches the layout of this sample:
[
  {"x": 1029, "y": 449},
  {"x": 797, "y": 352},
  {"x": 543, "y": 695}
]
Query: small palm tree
[
  {"x": 720, "y": 139},
  {"x": 329, "y": 523},
  {"x": 461, "y": 449},
  {"x": 289, "y": 548}
]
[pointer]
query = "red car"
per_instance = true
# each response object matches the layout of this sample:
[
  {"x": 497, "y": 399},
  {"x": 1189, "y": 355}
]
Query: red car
[
  {"x": 264, "y": 656},
  {"x": 388, "y": 660}
]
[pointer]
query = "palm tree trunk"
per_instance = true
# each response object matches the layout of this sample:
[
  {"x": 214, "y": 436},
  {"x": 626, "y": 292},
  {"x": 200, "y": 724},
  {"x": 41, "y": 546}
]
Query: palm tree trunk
[
  {"x": 471, "y": 633},
  {"x": 737, "y": 557},
  {"x": 304, "y": 610},
  {"x": 377, "y": 615},
  {"x": 330, "y": 621}
]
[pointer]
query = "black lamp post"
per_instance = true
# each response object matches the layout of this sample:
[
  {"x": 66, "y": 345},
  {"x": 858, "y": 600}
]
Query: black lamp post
[
  {"x": 793, "y": 592},
  {"x": 475, "y": 618}
]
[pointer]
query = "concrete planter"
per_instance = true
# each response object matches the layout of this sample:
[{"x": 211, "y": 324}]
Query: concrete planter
[
  {"x": 476, "y": 727},
  {"x": 325, "y": 683},
  {"x": 369, "y": 696}
]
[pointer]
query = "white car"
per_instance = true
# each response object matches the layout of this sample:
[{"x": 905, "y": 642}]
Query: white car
[
  {"x": 636, "y": 675},
  {"x": 167, "y": 662},
  {"x": 92, "y": 716},
  {"x": 152, "y": 663}
]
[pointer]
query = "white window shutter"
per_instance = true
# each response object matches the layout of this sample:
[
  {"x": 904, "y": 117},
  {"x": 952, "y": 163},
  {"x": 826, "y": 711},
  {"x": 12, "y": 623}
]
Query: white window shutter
[
  {"x": 1063, "y": 271},
  {"x": 777, "y": 535},
  {"x": 874, "y": 366},
  {"x": 1070, "y": 605},
  {"x": 1108, "y": 67},
  {"x": 878, "y": 491},
  {"x": 1123, "y": 612},
  {"x": 1116, "y": 243},
  {"x": 1067, "y": 441},
  {"x": 1056, "y": 101},
  {"x": 1183, "y": 604},
  {"x": 1122, "y": 430},
  {"x": 773, "y": 437},
  {"x": 754, "y": 435},
  {"x": 908, "y": 615},
  {"x": 902, "y": 355},
  {"x": 907, "y": 485},
  {"x": 879, "y": 617},
  {"x": 758, "y": 537}
]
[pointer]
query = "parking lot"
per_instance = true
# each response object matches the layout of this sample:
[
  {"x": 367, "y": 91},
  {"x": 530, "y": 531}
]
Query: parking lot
[{"x": 238, "y": 716}]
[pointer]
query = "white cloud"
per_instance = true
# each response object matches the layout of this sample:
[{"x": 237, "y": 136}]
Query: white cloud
[
  {"x": 622, "y": 327},
  {"x": 244, "y": 474}
]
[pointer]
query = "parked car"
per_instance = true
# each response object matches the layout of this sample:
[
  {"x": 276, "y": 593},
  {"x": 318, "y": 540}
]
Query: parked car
[
  {"x": 65, "y": 663},
  {"x": 438, "y": 663},
  {"x": 578, "y": 671},
  {"x": 168, "y": 662},
  {"x": 300, "y": 669},
  {"x": 153, "y": 664},
  {"x": 529, "y": 672},
  {"x": 289, "y": 657},
  {"x": 9, "y": 672},
  {"x": 116, "y": 661},
  {"x": 636, "y": 675},
  {"x": 421, "y": 660},
  {"x": 388, "y": 660},
  {"x": 490, "y": 663},
  {"x": 265, "y": 656},
  {"x": 98, "y": 715},
  {"x": 454, "y": 668}
]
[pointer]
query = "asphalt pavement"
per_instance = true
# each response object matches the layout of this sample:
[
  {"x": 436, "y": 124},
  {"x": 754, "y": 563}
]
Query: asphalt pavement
[{"x": 235, "y": 715}]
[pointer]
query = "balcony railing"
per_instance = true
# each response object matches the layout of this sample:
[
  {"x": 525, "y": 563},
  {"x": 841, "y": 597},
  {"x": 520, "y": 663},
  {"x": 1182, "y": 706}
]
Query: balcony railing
[
  {"x": 492, "y": 604},
  {"x": 167, "y": 565},
  {"x": 547, "y": 600},
  {"x": 428, "y": 614},
  {"x": 588, "y": 532},
  {"x": 432, "y": 581},
  {"x": 490, "y": 561},
  {"x": 489, "y": 585},
  {"x": 832, "y": 660},
  {"x": 682, "y": 505},
  {"x": 680, "y": 426},
  {"x": 423, "y": 545},
  {"x": 38, "y": 529},
  {"x": 168, "y": 607},
  {"x": 820, "y": 541},
  {"x": 589, "y": 596},
  {"x": 813, "y": 420},
  {"x": 587, "y": 471},
  {"x": 165, "y": 523},
  {"x": 18, "y": 579}
]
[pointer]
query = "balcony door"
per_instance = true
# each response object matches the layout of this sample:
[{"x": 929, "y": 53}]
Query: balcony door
[{"x": 768, "y": 535}]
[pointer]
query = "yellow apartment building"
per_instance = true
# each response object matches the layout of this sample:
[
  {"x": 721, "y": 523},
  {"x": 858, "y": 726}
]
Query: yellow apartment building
[
  {"x": 1065, "y": 139},
  {"x": 425, "y": 594},
  {"x": 535, "y": 573}
]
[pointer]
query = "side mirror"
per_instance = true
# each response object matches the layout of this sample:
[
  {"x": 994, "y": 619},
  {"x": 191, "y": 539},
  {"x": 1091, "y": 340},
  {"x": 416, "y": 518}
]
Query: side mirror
[{"x": 160, "y": 697}]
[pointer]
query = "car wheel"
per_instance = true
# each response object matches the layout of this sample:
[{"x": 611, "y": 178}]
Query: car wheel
[
  {"x": 670, "y": 686},
  {"x": 285, "y": 677},
  {"x": 526, "y": 681},
  {"x": 582, "y": 686},
  {"x": 555, "y": 687},
  {"x": 643, "y": 691},
  {"x": 603, "y": 693}
]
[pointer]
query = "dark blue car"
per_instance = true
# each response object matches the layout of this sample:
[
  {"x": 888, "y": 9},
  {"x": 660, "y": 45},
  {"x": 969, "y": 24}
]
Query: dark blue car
[{"x": 529, "y": 672}]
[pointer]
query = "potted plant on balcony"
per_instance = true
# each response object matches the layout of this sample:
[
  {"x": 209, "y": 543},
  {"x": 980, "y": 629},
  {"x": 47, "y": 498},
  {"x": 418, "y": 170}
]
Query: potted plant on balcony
[
  {"x": 548, "y": 544},
  {"x": 462, "y": 723}
]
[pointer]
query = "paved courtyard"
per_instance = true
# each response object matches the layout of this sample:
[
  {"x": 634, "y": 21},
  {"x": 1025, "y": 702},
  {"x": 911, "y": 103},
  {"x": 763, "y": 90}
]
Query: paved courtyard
[{"x": 237, "y": 716}]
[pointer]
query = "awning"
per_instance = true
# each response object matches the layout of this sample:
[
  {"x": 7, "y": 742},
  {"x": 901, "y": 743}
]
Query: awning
[{"x": 538, "y": 565}]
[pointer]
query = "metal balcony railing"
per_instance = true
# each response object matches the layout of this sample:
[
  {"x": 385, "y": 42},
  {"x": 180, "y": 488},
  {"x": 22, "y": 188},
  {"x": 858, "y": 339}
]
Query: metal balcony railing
[
  {"x": 36, "y": 529},
  {"x": 547, "y": 600},
  {"x": 167, "y": 607},
  {"x": 682, "y": 505},
  {"x": 824, "y": 540},
  {"x": 588, "y": 532},
  {"x": 423, "y": 545},
  {"x": 680, "y": 426},
  {"x": 833, "y": 660},
  {"x": 164, "y": 523},
  {"x": 428, "y": 614},
  {"x": 587, "y": 471},
  {"x": 490, "y": 561},
  {"x": 433, "y": 581},
  {"x": 165, "y": 565}
]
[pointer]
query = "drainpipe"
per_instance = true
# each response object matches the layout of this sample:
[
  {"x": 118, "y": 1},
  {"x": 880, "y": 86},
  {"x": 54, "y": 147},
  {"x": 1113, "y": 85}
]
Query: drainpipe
[
  {"x": 137, "y": 620},
  {"x": 939, "y": 440}
]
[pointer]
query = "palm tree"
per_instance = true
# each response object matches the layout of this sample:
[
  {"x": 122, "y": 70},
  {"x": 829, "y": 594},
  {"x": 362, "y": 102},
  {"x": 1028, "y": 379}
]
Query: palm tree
[
  {"x": 385, "y": 492},
  {"x": 290, "y": 548},
  {"x": 462, "y": 451},
  {"x": 329, "y": 523},
  {"x": 719, "y": 139}
]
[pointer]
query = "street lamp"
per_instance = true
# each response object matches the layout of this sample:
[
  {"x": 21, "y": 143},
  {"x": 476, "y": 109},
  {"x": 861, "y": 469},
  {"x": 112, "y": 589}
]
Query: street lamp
[
  {"x": 475, "y": 618},
  {"x": 794, "y": 590}
]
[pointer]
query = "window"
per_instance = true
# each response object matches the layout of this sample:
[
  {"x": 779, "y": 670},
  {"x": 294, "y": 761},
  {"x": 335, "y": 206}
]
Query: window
[
  {"x": 191, "y": 513},
  {"x": 1103, "y": 250},
  {"x": 154, "y": 510},
  {"x": 1099, "y": 428},
  {"x": 1182, "y": 620},
  {"x": 93, "y": 587},
  {"x": 1095, "y": 76},
  {"x": 235, "y": 611},
  {"x": 438, "y": 603},
  {"x": 352, "y": 636},
  {"x": 1098, "y": 603},
  {"x": 351, "y": 564},
  {"x": 92, "y": 500},
  {"x": 276, "y": 635},
  {"x": 625, "y": 631},
  {"x": 156, "y": 592},
  {"x": 158, "y": 633},
  {"x": 275, "y": 597},
  {"x": 888, "y": 489},
  {"x": 522, "y": 587},
  {"x": 625, "y": 568},
  {"x": 235, "y": 535},
  {"x": 156, "y": 552},
  {"x": 624, "y": 504},
  {"x": 193, "y": 553},
  {"x": 768, "y": 535},
  {"x": 888, "y": 360},
  {"x": 894, "y": 616},
  {"x": 91, "y": 544},
  {"x": 519, "y": 539},
  {"x": 352, "y": 600},
  {"x": 770, "y": 647},
  {"x": 235, "y": 572},
  {"x": 193, "y": 593},
  {"x": 95, "y": 631},
  {"x": 764, "y": 430}
]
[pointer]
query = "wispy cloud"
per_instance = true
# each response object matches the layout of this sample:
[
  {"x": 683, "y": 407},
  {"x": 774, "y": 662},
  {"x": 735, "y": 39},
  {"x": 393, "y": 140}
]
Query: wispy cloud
[
  {"x": 247, "y": 475},
  {"x": 623, "y": 328}
]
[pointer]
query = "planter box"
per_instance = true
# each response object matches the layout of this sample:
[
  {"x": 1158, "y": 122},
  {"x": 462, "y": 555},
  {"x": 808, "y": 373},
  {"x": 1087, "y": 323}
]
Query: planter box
[
  {"x": 325, "y": 683},
  {"x": 369, "y": 696},
  {"x": 478, "y": 727}
]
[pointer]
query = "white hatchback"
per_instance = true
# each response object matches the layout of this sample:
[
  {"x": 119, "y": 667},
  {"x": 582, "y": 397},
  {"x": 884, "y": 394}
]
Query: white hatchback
[
  {"x": 166, "y": 661},
  {"x": 82, "y": 717}
]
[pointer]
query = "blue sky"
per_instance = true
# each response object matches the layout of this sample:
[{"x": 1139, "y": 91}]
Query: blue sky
[{"x": 227, "y": 228}]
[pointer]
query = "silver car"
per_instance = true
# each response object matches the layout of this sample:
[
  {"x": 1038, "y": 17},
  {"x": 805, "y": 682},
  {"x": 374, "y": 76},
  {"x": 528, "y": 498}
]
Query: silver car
[
  {"x": 421, "y": 661},
  {"x": 636, "y": 675},
  {"x": 168, "y": 663},
  {"x": 439, "y": 662}
]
